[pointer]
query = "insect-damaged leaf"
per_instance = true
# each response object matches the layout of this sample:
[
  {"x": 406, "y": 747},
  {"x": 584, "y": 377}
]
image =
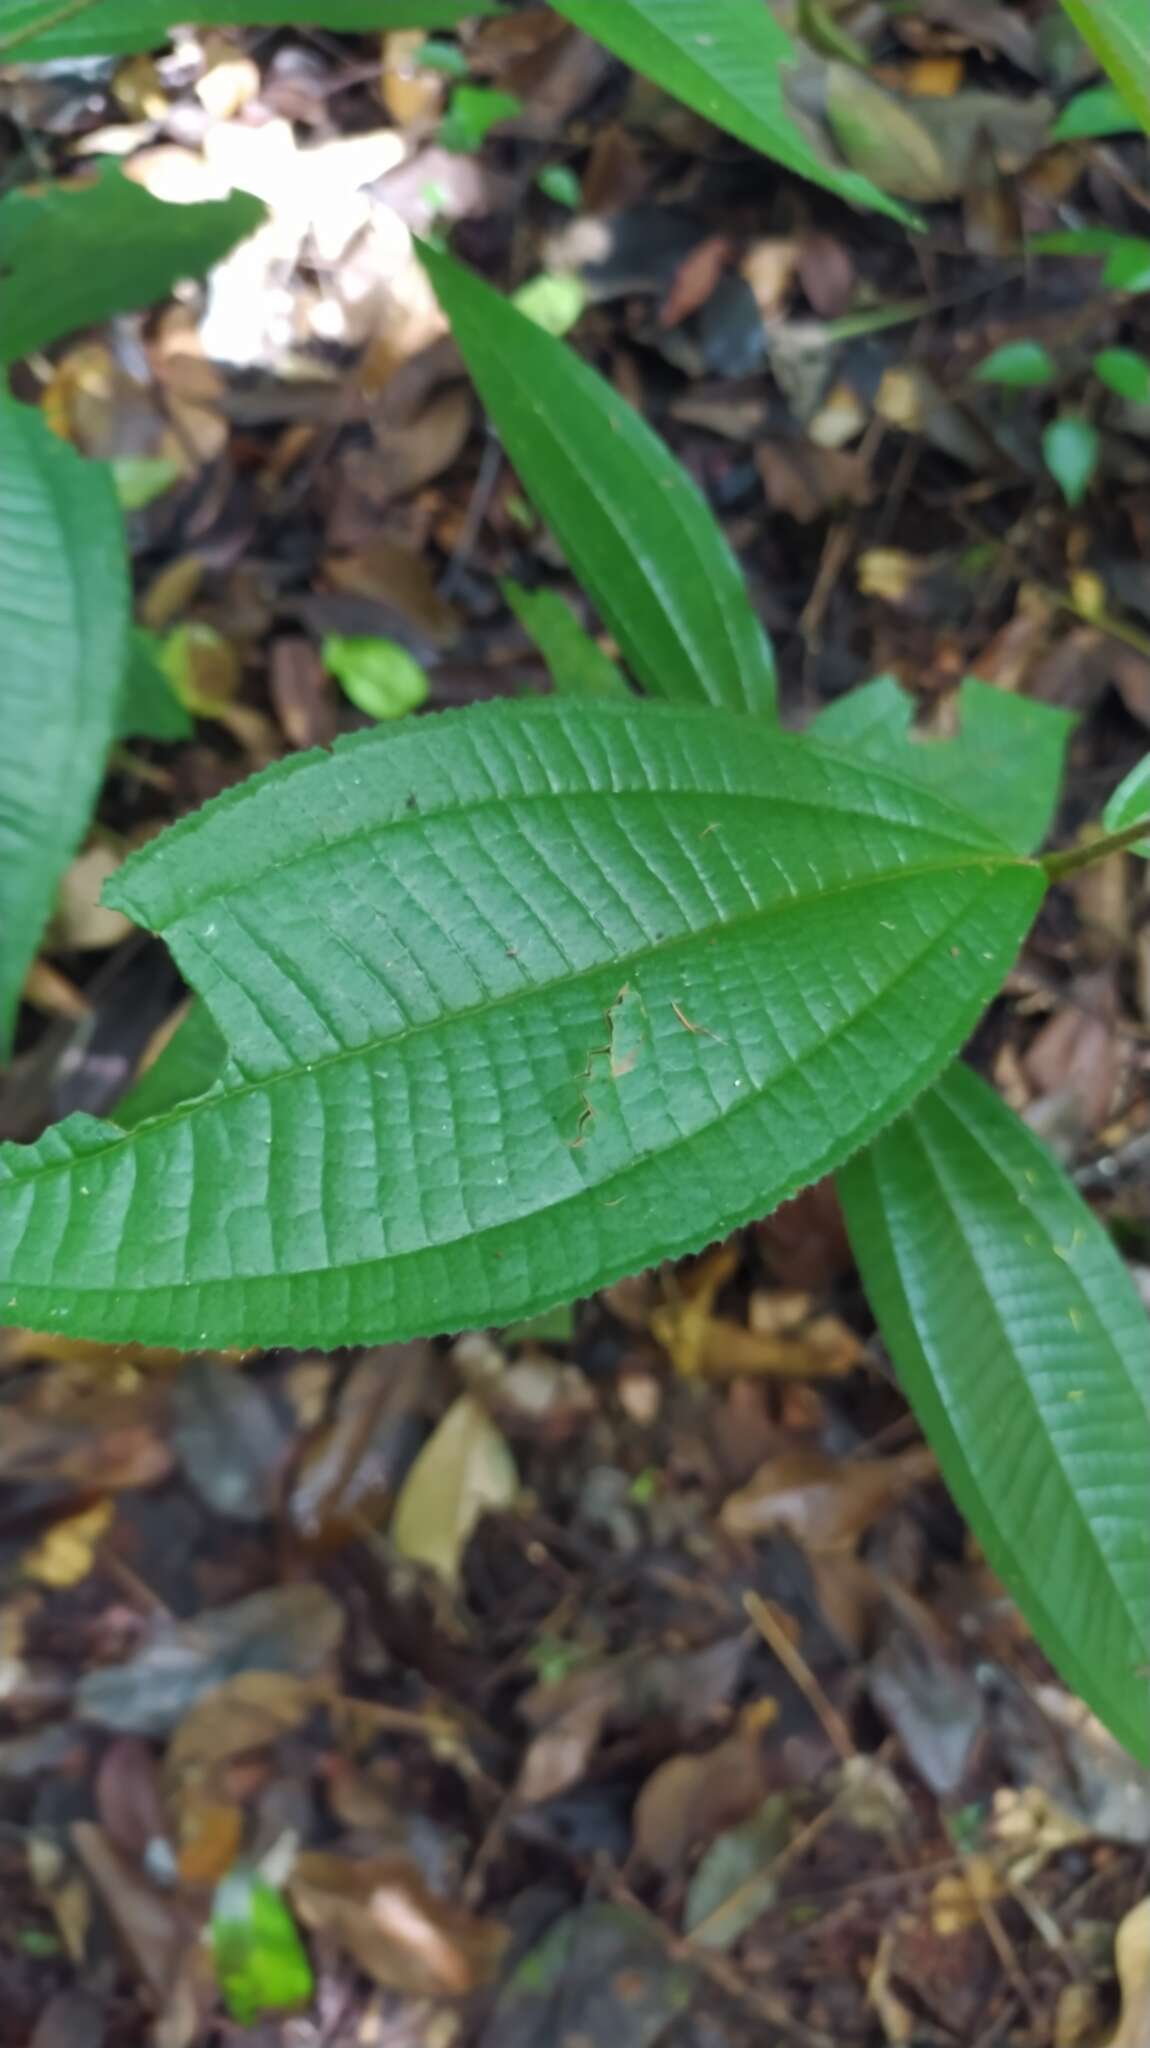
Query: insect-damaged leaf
[
  {"x": 416, "y": 946},
  {"x": 1021, "y": 1342}
]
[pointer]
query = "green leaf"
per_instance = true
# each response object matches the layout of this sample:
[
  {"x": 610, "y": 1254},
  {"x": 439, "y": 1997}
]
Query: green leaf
[
  {"x": 1025, "y": 1351},
  {"x": 188, "y": 1066},
  {"x": 1119, "y": 35},
  {"x": 141, "y": 479},
  {"x": 1131, "y": 801},
  {"x": 1127, "y": 257},
  {"x": 518, "y": 1000},
  {"x": 72, "y": 255},
  {"x": 379, "y": 676},
  {"x": 1070, "y": 450},
  {"x": 727, "y": 62},
  {"x": 149, "y": 708},
  {"x": 638, "y": 535},
  {"x": 561, "y": 184},
  {"x": 1018, "y": 363},
  {"x": 579, "y": 668},
  {"x": 474, "y": 111},
  {"x": 554, "y": 300},
  {"x": 63, "y": 656},
  {"x": 1099, "y": 111},
  {"x": 1125, "y": 372},
  {"x": 261, "y": 1963},
  {"x": 1004, "y": 766},
  {"x": 112, "y": 26}
]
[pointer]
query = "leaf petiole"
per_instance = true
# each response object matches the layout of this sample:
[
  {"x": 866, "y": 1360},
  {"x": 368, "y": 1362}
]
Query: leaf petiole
[{"x": 1058, "y": 865}]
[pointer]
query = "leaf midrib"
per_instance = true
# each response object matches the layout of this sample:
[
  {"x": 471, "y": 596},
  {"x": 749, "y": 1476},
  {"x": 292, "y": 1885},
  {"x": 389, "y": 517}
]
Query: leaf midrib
[
  {"x": 937, "y": 1164},
  {"x": 119, "y": 893},
  {"x": 182, "y": 1111}
]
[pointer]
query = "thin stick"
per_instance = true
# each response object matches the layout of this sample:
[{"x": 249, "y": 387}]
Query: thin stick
[{"x": 795, "y": 1664}]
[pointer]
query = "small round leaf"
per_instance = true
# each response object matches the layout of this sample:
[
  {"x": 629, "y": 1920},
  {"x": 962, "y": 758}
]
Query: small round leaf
[
  {"x": 1019, "y": 364},
  {"x": 1070, "y": 449},
  {"x": 379, "y": 676}
]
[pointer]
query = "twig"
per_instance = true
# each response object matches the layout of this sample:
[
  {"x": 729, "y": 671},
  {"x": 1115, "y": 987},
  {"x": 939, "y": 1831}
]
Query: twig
[{"x": 796, "y": 1666}]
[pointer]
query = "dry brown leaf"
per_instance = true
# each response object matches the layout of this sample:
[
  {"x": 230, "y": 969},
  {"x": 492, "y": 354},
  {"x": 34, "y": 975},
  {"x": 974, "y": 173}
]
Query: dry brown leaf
[
  {"x": 695, "y": 279},
  {"x": 769, "y": 267},
  {"x": 691, "y": 1799},
  {"x": 803, "y": 479},
  {"x": 397, "y": 577},
  {"x": 412, "y": 92},
  {"x": 824, "y": 1502},
  {"x": 382, "y": 1914},
  {"x": 1132, "y": 1961},
  {"x": 51, "y": 992},
  {"x": 464, "y": 1470},
  {"x": 958, "y": 1899},
  {"x": 149, "y": 1922},
  {"x": 414, "y": 452},
  {"x": 248, "y": 1712},
  {"x": 347, "y": 1478},
  {"x": 557, "y": 1758},
  {"x": 80, "y": 922},
  {"x": 66, "y": 1552},
  {"x": 301, "y": 693}
]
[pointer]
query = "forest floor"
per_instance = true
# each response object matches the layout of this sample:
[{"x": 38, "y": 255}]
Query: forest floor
[{"x": 708, "y": 1724}]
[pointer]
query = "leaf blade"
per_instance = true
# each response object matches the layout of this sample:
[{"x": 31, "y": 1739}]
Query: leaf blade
[
  {"x": 421, "y": 1006},
  {"x": 1117, "y": 34},
  {"x": 638, "y": 534},
  {"x": 47, "y": 235},
  {"x": 725, "y": 62},
  {"x": 1003, "y": 766},
  {"x": 64, "y": 630},
  {"x": 1026, "y": 1354},
  {"x": 113, "y": 27}
]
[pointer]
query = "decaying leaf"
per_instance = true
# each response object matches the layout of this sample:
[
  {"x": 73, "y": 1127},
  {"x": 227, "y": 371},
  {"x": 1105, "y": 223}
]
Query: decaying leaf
[
  {"x": 825, "y": 1502},
  {"x": 1132, "y": 1960},
  {"x": 735, "y": 1882},
  {"x": 691, "y": 1799},
  {"x": 463, "y": 1470},
  {"x": 381, "y": 1913},
  {"x": 292, "y": 1628}
]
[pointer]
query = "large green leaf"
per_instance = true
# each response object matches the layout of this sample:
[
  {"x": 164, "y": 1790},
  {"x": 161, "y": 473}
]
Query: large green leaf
[
  {"x": 63, "y": 654},
  {"x": 1023, "y": 1346},
  {"x": 1118, "y": 32},
  {"x": 90, "y": 27},
  {"x": 71, "y": 255},
  {"x": 1004, "y": 764},
  {"x": 637, "y": 533},
  {"x": 518, "y": 999},
  {"x": 726, "y": 59}
]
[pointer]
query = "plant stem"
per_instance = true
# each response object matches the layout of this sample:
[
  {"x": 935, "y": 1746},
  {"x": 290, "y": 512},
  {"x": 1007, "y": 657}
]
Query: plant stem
[
  {"x": 43, "y": 25},
  {"x": 1058, "y": 865}
]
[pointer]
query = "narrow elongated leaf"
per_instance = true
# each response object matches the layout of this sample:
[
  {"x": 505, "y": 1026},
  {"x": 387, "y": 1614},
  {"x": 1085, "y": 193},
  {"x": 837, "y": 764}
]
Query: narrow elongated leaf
[
  {"x": 91, "y": 27},
  {"x": 518, "y": 1000},
  {"x": 63, "y": 656},
  {"x": 637, "y": 533},
  {"x": 1004, "y": 764},
  {"x": 1026, "y": 1353},
  {"x": 726, "y": 59},
  {"x": 72, "y": 255},
  {"x": 1131, "y": 801},
  {"x": 1119, "y": 35},
  {"x": 188, "y": 1066},
  {"x": 578, "y": 665}
]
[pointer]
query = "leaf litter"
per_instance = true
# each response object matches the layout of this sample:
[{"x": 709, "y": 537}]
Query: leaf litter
[{"x": 631, "y": 1680}]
